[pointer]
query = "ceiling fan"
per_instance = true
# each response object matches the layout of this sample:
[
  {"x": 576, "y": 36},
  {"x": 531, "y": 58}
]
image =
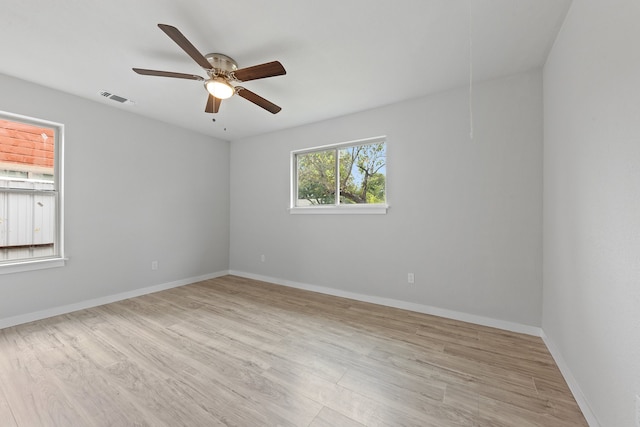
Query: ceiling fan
[{"x": 222, "y": 72}]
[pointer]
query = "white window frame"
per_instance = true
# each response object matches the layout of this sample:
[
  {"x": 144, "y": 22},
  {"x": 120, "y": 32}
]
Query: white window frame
[
  {"x": 337, "y": 208},
  {"x": 58, "y": 259}
]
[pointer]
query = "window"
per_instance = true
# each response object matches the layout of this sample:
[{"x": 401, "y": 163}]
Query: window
[
  {"x": 342, "y": 178},
  {"x": 30, "y": 193}
]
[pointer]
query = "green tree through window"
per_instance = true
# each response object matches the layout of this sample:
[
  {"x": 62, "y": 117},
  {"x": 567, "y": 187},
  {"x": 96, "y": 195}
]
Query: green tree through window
[
  {"x": 317, "y": 177},
  {"x": 356, "y": 172},
  {"x": 362, "y": 174}
]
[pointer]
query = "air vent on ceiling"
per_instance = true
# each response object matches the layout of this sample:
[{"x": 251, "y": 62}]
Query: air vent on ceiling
[{"x": 116, "y": 98}]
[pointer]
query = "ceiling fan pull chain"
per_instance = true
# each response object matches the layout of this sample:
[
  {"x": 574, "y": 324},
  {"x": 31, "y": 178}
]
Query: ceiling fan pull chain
[{"x": 470, "y": 75}]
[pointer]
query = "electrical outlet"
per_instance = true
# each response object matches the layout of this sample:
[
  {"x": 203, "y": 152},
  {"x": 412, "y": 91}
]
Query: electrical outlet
[
  {"x": 637, "y": 411},
  {"x": 263, "y": 258},
  {"x": 411, "y": 278},
  {"x": 154, "y": 265}
]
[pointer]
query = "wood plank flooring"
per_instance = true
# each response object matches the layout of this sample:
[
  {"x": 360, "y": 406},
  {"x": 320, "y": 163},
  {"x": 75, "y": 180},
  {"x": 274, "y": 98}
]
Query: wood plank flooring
[{"x": 237, "y": 352}]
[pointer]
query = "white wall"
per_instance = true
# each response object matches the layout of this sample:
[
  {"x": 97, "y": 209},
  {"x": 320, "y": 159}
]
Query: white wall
[
  {"x": 591, "y": 216},
  {"x": 465, "y": 214},
  {"x": 136, "y": 190}
]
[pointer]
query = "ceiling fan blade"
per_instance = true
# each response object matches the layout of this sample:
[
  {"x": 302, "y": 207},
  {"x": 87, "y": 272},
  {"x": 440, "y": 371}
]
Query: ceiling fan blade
[
  {"x": 146, "y": 72},
  {"x": 258, "y": 100},
  {"x": 186, "y": 45},
  {"x": 213, "y": 104},
  {"x": 209, "y": 107},
  {"x": 269, "y": 69}
]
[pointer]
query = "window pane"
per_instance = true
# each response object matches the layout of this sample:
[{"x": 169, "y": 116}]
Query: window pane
[
  {"x": 316, "y": 178},
  {"x": 26, "y": 151},
  {"x": 363, "y": 174},
  {"x": 28, "y": 193}
]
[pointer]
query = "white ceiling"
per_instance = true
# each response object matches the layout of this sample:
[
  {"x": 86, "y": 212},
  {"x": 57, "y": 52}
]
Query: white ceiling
[{"x": 341, "y": 56}]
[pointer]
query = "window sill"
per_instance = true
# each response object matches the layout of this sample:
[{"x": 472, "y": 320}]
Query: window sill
[
  {"x": 30, "y": 265},
  {"x": 340, "y": 210}
]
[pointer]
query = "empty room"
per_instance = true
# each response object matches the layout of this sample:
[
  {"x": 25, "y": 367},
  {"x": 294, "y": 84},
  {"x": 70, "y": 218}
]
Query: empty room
[{"x": 339, "y": 213}]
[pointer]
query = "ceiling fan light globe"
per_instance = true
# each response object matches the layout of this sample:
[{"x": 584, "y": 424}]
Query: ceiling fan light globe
[{"x": 219, "y": 88}]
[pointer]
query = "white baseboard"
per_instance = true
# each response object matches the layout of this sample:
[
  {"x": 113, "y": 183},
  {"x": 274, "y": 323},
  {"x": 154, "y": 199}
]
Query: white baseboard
[
  {"x": 582, "y": 401},
  {"x": 56, "y": 311},
  {"x": 419, "y": 308}
]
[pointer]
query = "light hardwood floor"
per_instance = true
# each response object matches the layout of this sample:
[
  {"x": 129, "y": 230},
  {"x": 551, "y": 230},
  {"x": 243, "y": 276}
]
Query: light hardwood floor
[{"x": 238, "y": 352}]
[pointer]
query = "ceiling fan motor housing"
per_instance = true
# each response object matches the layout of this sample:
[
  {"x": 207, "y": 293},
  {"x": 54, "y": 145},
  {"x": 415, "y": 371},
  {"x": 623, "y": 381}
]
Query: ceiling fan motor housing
[{"x": 222, "y": 63}]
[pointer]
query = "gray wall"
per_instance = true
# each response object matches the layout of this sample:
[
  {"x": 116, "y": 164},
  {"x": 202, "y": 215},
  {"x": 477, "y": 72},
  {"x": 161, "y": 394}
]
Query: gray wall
[
  {"x": 592, "y": 204},
  {"x": 465, "y": 214},
  {"x": 136, "y": 190}
]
